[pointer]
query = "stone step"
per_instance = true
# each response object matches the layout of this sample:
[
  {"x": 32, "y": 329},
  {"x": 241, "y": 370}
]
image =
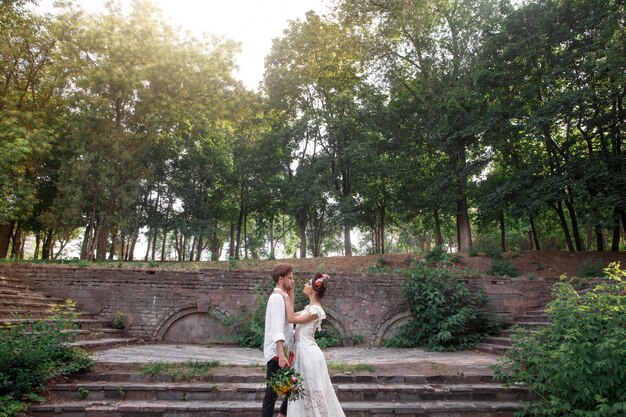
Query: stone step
[
  {"x": 531, "y": 319},
  {"x": 499, "y": 340},
  {"x": 260, "y": 378},
  {"x": 495, "y": 349},
  {"x": 95, "y": 334},
  {"x": 253, "y": 409},
  {"x": 255, "y": 391},
  {"x": 81, "y": 323},
  {"x": 26, "y": 304},
  {"x": 21, "y": 313},
  {"x": 511, "y": 332},
  {"x": 10, "y": 294},
  {"x": 6, "y": 282},
  {"x": 531, "y": 324},
  {"x": 102, "y": 343}
]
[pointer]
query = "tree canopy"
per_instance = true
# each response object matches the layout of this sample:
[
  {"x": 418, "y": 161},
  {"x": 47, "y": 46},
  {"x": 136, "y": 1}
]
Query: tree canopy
[{"x": 407, "y": 124}]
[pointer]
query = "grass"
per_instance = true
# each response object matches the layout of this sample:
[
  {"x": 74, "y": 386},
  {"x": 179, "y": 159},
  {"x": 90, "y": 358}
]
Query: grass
[
  {"x": 180, "y": 371},
  {"x": 343, "y": 366}
]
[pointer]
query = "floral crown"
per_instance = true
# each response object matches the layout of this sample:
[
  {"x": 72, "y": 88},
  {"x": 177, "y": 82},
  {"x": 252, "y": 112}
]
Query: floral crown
[{"x": 321, "y": 281}]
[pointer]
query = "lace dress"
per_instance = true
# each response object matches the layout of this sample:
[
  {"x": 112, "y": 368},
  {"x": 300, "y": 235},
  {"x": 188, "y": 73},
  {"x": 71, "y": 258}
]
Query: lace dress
[{"x": 320, "y": 399}]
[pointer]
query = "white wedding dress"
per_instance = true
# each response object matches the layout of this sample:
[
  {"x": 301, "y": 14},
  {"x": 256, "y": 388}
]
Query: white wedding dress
[{"x": 319, "y": 399}]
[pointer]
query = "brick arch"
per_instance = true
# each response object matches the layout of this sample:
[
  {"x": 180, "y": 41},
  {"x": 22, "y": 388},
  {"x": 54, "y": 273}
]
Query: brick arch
[
  {"x": 391, "y": 322},
  {"x": 175, "y": 315}
]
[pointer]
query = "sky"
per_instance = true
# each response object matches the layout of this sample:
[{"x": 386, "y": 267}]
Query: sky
[{"x": 253, "y": 23}]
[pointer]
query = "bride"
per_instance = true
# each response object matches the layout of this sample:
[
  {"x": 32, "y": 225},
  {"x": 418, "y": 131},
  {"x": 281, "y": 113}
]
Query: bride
[{"x": 320, "y": 399}]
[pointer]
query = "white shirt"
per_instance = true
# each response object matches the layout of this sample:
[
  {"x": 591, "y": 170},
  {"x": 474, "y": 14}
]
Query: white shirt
[{"x": 276, "y": 325}]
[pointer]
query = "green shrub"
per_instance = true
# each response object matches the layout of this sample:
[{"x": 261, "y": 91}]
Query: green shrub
[
  {"x": 592, "y": 268},
  {"x": 438, "y": 253},
  {"x": 328, "y": 338},
  {"x": 32, "y": 352},
  {"x": 501, "y": 268},
  {"x": 493, "y": 252},
  {"x": 382, "y": 262},
  {"x": 446, "y": 315},
  {"x": 119, "y": 320},
  {"x": 575, "y": 367},
  {"x": 9, "y": 406}
]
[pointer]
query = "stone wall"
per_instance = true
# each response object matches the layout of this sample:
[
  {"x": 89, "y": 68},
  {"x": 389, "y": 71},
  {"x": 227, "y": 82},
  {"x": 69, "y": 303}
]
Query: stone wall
[{"x": 172, "y": 305}]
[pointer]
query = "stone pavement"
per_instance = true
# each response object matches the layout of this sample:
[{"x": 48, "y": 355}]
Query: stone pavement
[{"x": 467, "y": 361}]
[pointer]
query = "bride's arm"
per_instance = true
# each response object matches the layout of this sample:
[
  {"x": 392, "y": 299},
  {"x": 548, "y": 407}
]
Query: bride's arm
[{"x": 300, "y": 317}]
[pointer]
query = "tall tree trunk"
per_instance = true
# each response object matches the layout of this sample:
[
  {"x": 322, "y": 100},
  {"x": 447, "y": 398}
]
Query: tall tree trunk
[
  {"x": 200, "y": 248},
  {"x": 382, "y": 228},
  {"x": 216, "y": 245},
  {"x": 48, "y": 243},
  {"x": 245, "y": 236},
  {"x": 616, "y": 231},
  {"x": 149, "y": 239},
  {"x": 18, "y": 237},
  {"x": 438, "y": 234},
  {"x": 302, "y": 230},
  {"x": 6, "y": 231},
  {"x": 133, "y": 243},
  {"x": 374, "y": 239},
  {"x": 270, "y": 237},
  {"x": 103, "y": 239},
  {"x": 38, "y": 244},
  {"x": 193, "y": 248},
  {"x": 574, "y": 219},
  {"x": 502, "y": 231},
  {"x": 239, "y": 227},
  {"x": 568, "y": 238},
  {"x": 347, "y": 241},
  {"x": 115, "y": 242},
  {"x": 534, "y": 233},
  {"x": 599, "y": 241},
  {"x": 463, "y": 226},
  {"x": 464, "y": 231},
  {"x": 155, "y": 235},
  {"x": 231, "y": 244},
  {"x": 163, "y": 244}
]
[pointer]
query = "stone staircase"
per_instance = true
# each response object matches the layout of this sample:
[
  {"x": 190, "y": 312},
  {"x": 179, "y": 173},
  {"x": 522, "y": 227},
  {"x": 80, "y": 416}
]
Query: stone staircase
[
  {"x": 133, "y": 395},
  {"x": 532, "y": 320},
  {"x": 20, "y": 303}
]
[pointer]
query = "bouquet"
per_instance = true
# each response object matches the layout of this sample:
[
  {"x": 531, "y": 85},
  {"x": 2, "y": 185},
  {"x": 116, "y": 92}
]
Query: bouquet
[{"x": 288, "y": 382}]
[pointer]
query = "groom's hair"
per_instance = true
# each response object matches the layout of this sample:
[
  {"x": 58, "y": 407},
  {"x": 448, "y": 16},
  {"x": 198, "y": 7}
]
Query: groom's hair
[{"x": 281, "y": 270}]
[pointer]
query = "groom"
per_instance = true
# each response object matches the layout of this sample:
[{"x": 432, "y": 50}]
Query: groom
[{"x": 278, "y": 332}]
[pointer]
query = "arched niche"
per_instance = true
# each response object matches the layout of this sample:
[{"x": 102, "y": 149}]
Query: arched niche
[
  {"x": 188, "y": 325},
  {"x": 389, "y": 327}
]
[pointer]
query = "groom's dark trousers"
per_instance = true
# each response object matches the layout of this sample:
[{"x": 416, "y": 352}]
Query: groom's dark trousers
[{"x": 269, "y": 401}]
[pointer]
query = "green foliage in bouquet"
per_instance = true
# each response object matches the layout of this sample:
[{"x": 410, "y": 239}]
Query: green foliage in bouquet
[
  {"x": 446, "y": 316},
  {"x": 576, "y": 366}
]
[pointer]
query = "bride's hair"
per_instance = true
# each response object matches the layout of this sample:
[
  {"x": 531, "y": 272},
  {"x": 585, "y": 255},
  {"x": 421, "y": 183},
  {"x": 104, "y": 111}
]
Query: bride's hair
[{"x": 319, "y": 284}]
